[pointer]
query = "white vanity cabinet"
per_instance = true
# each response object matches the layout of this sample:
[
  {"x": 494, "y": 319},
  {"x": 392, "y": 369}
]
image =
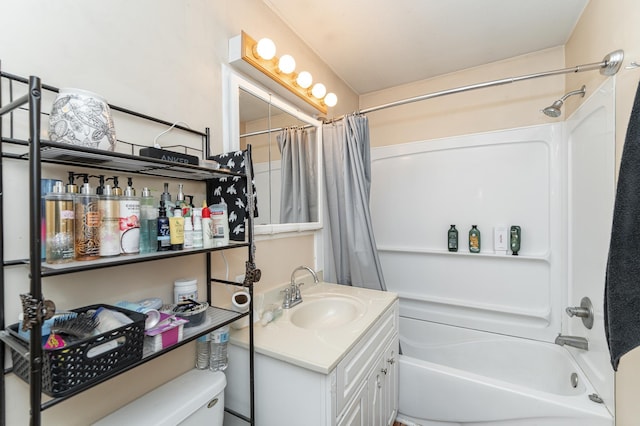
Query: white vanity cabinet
[{"x": 361, "y": 389}]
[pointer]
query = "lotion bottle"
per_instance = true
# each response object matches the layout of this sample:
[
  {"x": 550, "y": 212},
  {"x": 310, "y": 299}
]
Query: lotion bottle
[
  {"x": 176, "y": 226},
  {"x": 109, "y": 206},
  {"x": 129, "y": 221}
]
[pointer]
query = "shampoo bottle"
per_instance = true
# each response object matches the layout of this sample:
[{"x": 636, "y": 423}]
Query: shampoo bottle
[
  {"x": 164, "y": 231},
  {"x": 452, "y": 237},
  {"x": 474, "y": 239},
  {"x": 176, "y": 226}
]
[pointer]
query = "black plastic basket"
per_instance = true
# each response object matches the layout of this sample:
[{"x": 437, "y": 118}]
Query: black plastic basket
[{"x": 83, "y": 363}]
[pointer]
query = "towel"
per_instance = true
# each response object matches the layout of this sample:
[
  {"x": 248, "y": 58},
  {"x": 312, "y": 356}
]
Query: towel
[
  {"x": 232, "y": 191},
  {"x": 622, "y": 282}
]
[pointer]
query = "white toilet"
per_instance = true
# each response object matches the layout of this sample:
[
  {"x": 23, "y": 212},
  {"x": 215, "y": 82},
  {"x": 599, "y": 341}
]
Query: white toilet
[{"x": 194, "y": 398}]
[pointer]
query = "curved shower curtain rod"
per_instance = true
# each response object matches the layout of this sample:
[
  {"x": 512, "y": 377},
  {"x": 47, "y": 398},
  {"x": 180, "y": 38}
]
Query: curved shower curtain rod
[{"x": 609, "y": 66}]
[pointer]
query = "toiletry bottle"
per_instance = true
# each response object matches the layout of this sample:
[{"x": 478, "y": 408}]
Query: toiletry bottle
[
  {"x": 515, "y": 239},
  {"x": 59, "y": 225},
  {"x": 164, "y": 231},
  {"x": 207, "y": 226},
  {"x": 109, "y": 206},
  {"x": 72, "y": 188},
  {"x": 474, "y": 239},
  {"x": 219, "y": 224},
  {"x": 197, "y": 227},
  {"x": 452, "y": 237},
  {"x": 166, "y": 197},
  {"x": 46, "y": 186},
  {"x": 116, "y": 190},
  {"x": 180, "y": 196},
  {"x": 148, "y": 223},
  {"x": 87, "y": 229},
  {"x": 129, "y": 221},
  {"x": 188, "y": 228},
  {"x": 500, "y": 239},
  {"x": 176, "y": 226},
  {"x": 100, "y": 187}
]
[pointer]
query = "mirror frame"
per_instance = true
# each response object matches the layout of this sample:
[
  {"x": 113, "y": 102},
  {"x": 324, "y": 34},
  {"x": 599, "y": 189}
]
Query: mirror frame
[{"x": 231, "y": 139}]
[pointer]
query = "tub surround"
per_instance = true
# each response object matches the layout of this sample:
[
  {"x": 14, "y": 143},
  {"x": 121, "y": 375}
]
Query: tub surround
[{"x": 318, "y": 350}]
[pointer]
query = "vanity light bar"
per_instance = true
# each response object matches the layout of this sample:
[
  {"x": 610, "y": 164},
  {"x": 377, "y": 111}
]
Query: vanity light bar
[{"x": 248, "y": 49}]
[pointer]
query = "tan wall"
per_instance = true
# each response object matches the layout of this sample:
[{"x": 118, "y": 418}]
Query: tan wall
[{"x": 606, "y": 26}]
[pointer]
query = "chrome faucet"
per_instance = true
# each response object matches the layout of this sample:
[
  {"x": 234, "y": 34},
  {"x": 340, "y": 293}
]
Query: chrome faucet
[
  {"x": 292, "y": 295},
  {"x": 575, "y": 341}
]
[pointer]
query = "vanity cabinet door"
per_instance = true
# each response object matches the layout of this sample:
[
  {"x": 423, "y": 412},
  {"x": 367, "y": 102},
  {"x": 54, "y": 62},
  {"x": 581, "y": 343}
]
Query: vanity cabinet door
[
  {"x": 389, "y": 398},
  {"x": 355, "y": 368},
  {"x": 357, "y": 412}
]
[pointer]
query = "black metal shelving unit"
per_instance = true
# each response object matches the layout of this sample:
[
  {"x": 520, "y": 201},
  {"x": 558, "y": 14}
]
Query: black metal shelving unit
[{"x": 36, "y": 151}]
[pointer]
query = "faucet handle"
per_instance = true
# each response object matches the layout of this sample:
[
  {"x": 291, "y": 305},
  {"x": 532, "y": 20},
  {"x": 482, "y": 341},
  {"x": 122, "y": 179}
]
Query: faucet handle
[{"x": 287, "y": 297}]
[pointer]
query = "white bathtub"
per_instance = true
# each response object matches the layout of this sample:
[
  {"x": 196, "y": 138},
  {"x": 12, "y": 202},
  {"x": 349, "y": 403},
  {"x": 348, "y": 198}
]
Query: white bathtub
[{"x": 455, "y": 376}]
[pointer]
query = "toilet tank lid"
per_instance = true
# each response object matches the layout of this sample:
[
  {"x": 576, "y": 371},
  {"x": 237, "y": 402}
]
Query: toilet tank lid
[{"x": 172, "y": 402}]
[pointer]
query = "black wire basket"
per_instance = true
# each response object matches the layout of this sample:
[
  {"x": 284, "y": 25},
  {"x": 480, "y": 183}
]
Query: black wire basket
[{"x": 83, "y": 363}]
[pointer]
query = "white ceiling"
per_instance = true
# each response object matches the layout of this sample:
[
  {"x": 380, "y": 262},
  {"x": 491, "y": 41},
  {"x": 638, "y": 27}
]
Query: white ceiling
[{"x": 376, "y": 44}]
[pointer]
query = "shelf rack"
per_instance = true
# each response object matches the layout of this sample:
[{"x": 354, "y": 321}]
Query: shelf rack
[{"x": 37, "y": 151}]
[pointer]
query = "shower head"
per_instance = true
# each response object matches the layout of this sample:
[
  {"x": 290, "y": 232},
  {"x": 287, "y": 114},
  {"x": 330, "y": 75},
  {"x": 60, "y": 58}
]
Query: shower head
[{"x": 554, "y": 109}]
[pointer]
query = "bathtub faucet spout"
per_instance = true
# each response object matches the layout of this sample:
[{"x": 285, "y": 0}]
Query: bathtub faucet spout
[{"x": 575, "y": 341}]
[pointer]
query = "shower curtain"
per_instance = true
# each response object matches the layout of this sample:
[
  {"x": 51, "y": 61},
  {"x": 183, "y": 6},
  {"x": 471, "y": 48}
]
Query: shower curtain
[
  {"x": 351, "y": 256},
  {"x": 299, "y": 174}
]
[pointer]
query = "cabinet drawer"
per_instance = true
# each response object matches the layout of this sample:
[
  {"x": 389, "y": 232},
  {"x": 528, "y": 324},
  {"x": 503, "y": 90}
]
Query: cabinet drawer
[{"x": 355, "y": 367}]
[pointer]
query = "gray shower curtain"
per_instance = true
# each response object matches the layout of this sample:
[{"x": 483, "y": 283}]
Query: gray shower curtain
[
  {"x": 351, "y": 256},
  {"x": 299, "y": 174}
]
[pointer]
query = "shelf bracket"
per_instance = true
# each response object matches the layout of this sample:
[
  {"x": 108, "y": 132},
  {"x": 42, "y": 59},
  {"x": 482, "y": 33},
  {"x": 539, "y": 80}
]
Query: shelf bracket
[{"x": 35, "y": 311}]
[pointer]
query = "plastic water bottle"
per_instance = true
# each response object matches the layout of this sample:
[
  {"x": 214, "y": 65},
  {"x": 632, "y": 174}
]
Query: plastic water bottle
[
  {"x": 219, "y": 339},
  {"x": 202, "y": 352}
]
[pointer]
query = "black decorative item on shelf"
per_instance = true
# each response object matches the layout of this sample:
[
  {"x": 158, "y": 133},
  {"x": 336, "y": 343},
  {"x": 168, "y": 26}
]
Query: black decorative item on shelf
[{"x": 82, "y": 363}]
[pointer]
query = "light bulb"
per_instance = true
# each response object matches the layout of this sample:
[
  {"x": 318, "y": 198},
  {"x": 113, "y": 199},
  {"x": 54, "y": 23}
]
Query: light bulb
[
  {"x": 330, "y": 100},
  {"x": 266, "y": 49},
  {"x": 318, "y": 90},
  {"x": 304, "y": 79},
  {"x": 286, "y": 64}
]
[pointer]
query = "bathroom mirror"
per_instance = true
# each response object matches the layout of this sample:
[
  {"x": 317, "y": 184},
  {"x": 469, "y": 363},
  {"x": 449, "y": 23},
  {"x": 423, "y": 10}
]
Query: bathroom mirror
[{"x": 261, "y": 119}]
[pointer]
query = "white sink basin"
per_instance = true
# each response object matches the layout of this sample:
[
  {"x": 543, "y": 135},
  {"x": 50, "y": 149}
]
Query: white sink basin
[{"x": 328, "y": 311}]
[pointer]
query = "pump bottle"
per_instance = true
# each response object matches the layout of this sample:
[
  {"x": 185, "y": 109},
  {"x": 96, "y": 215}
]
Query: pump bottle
[{"x": 164, "y": 231}]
